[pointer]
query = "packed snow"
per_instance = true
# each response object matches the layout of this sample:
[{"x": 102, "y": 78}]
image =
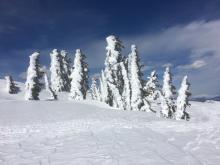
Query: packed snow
[{"x": 67, "y": 132}]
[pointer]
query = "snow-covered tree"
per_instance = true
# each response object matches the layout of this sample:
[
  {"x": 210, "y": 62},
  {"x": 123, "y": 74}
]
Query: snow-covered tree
[
  {"x": 183, "y": 100},
  {"x": 151, "y": 86},
  {"x": 11, "y": 87},
  {"x": 137, "y": 95},
  {"x": 57, "y": 79},
  {"x": 95, "y": 92},
  {"x": 104, "y": 88},
  {"x": 168, "y": 92},
  {"x": 113, "y": 72},
  {"x": 126, "y": 95},
  {"x": 33, "y": 85},
  {"x": 66, "y": 67},
  {"x": 79, "y": 76},
  {"x": 53, "y": 95}
]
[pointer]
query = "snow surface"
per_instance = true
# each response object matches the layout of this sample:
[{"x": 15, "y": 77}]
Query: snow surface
[{"x": 88, "y": 132}]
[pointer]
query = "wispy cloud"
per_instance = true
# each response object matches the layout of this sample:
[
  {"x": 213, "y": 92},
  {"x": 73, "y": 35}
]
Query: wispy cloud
[{"x": 195, "y": 65}]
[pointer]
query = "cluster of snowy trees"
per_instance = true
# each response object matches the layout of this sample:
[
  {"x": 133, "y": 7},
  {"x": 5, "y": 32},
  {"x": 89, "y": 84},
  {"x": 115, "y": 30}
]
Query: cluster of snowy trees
[
  {"x": 120, "y": 85},
  {"x": 63, "y": 76}
]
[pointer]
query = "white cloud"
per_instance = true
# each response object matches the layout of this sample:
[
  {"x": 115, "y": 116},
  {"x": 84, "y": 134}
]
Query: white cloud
[
  {"x": 167, "y": 65},
  {"x": 23, "y": 75},
  {"x": 195, "y": 65},
  {"x": 195, "y": 46}
]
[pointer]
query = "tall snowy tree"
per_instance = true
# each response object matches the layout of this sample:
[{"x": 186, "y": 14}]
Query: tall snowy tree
[
  {"x": 168, "y": 92},
  {"x": 113, "y": 72},
  {"x": 126, "y": 95},
  {"x": 151, "y": 86},
  {"x": 33, "y": 85},
  {"x": 57, "y": 78},
  {"x": 66, "y": 69},
  {"x": 11, "y": 87},
  {"x": 79, "y": 76},
  {"x": 95, "y": 92},
  {"x": 183, "y": 100},
  {"x": 137, "y": 95}
]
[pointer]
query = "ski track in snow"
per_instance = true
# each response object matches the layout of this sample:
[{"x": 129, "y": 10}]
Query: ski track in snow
[{"x": 73, "y": 133}]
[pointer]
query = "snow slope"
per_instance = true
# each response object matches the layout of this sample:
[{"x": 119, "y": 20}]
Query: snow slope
[{"x": 87, "y": 132}]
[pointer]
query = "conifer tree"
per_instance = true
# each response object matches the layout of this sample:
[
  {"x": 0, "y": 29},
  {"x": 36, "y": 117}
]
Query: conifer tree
[
  {"x": 152, "y": 86},
  {"x": 168, "y": 92},
  {"x": 95, "y": 92},
  {"x": 137, "y": 95},
  {"x": 57, "y": 78},
  {"x": 11, "y": 87},
  {"x": 104, "y": 90},
  {"x": 66, "y": 69},
  {"x": 126, "y": 95},
  {"x": 53, "y": 95},
  {"x": 79, "y": 76},
  {"x": 183, "y": 100},
  {"x": 33, "y": 85},
  {"x": 113, "y": 72}
]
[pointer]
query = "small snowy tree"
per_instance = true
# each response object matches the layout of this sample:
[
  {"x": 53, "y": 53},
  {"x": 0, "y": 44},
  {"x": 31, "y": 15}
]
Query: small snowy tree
[
  {"x": 137, "y": 95},
  {"x": 56, "y": 68},
  {"x": 66, "y": 67},
  {"x": 183, "y": 100},
  {"x": 168, "y": 92},
  {"x": 95, "y": 92},
  {"x": 33, "y": 85},
  {"x": 53, "y": 95},
  {"x": 11, "y": 87},
  {"x": 79, "y": 76},
  {"x": 152, "y": 86},
  {"x": 104, "y": 88}
]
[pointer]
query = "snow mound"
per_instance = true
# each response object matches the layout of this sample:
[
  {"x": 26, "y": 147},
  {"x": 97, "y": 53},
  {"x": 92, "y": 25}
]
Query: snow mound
[{"x": 88, "y": 132}]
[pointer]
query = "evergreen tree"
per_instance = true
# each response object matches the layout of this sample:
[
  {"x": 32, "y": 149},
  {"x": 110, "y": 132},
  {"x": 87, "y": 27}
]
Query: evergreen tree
[
  {"x": 152, "y": 86},
  {"x": 183, "y": 100},
  {"x": 168, "y": 92},
  {"x": 79, "y": 76},
  {"x": 126, "y": 95},
  {"x": 53, "y": 95},
  {"x": 104, "y": 90},
  {"x": 66, "y": 67},
  {"x": 33, "y": 85},
  {"x": 56, "y": 68},
  {"x": 95, "y": 93},
  {"x": 137, "y": 95},
  {"x": 11, "y": 87},
  {"x": 113, "y": 72}
]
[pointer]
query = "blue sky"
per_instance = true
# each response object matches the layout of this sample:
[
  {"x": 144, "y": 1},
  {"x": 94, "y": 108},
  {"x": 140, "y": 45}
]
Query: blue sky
[{"x": 180, "y": 34}]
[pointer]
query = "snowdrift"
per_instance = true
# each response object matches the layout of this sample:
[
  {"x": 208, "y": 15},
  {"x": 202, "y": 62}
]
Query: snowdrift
[{"x": 88, "y": 132}]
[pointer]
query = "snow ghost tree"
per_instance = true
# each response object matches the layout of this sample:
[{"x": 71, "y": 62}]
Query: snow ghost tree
[
  {"x": 79, "y": 76},
  {"x": 126, "y": 95},
  {"x": 104, "y": 90},
  {"x": 53, "y": 95},
  {"x": 33, "y": 85},
  {"x": 58, "y": 82},
  {"x": 183, "y": 100},
  {"x": 168, "y": 92},
  {"x": 151, "y": 86},
  {"x": 11, "y": 87},
  {"x": 113, "y": 72},
  {"x": 66, "y": 67},
  {"x": 95, "y": 92},
  {"x": 137, "y": 95}
]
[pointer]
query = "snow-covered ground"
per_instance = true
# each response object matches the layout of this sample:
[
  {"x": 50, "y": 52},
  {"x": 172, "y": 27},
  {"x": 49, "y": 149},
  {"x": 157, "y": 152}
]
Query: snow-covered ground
[{"x": 77, "y": 133}]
